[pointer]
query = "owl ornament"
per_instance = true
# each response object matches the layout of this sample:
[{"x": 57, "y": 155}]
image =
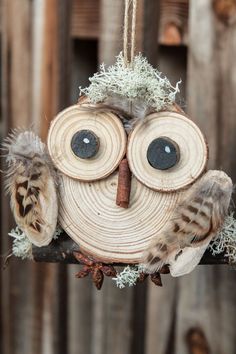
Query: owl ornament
[{"x": 124, "y": 174}]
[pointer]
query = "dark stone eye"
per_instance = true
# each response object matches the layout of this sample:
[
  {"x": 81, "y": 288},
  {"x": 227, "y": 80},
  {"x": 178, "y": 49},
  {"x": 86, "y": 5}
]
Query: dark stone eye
[
  {"x": 163, "y": 153},
  {"x": 85, "y": 144}
]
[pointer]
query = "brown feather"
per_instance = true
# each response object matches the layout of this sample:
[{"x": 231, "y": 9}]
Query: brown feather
[
  {"x": 195, "y": 221},
  {"x": 30, "y": 182},
  {"x": 129, "y": 112}
]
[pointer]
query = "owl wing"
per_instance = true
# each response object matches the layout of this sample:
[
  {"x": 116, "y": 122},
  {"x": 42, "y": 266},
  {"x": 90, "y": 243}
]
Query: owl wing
[
  {"x": 31, "y": 186},
  {"x": 194, "y": 223},
  {"x": 187, "y": 260}
]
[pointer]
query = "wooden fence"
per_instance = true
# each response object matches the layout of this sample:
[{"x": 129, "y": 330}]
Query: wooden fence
[{"x": 48, "y": 49}]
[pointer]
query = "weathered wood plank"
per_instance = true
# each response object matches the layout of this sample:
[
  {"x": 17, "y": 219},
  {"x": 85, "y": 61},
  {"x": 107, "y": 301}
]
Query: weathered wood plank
[
  {"x": 206, "y": 295},
  {"x": 202, "y": 80},
  {"x": 54, "y": 96},
  {"x": 80, "y": 319},
  {"x": 225, "y": 48},
  {"x": 111, "y": 34},
  {"x": 111, "y": 30},
  {"x": 111, "y": 319},
  {"x": 51, "y": 58},
  {"x": 5, "y": 212},
  {"x": 16, "y": 287},
  {"x": 174, "y": 22},
  {"x": 85, "y": 19},
  {"x": 49, "y": 66},
  {"x": 161, "y": 316},
  {"x": 197, "y": 291},
  {"x": 36, "y": 316},
  {"x": 148, "y": 17},
  {"x": 0, "y": 16}
]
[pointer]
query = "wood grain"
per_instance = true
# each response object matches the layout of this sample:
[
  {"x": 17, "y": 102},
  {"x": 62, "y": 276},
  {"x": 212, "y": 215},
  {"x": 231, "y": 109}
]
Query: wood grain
[
  {"x": 192, "y": 146},
  {"x": 30, "y": 289},
  {"x": 17, "y": 290},
  {"x": 86, "y": 19},
  {"x": 174, "y": 22},
  {"x": 205, "y": 297},
  {"x": 111, "y": 30},
  {"x": 112, "y": 143},
  {"x": 203, "y": 109},
  {"x": 90, "y": 18},
  {"x": 160, "y": 317},
  {"x": 89, "y": 214}
]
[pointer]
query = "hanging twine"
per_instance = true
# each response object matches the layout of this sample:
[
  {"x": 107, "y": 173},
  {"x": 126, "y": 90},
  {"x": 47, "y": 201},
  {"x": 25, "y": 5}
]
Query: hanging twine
[{"x": 129, "y": 37}]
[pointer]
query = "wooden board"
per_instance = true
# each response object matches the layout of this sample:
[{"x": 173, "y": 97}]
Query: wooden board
[
  {"x": 174, "y": 22},
  {"x": 90, "y": 17},
  {"x": 89, "y": 214},
  {"x": 30, "y": 295},
  {"x": 206, "y": 295},
  {"x": 16, "y": 299},
  {"x": 85, "y": 19}
]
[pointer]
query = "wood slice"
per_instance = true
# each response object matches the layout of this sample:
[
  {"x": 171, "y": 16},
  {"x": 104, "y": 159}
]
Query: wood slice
[
  {"x": 107, "y": 129},
  {"x": 193, "y": 152},
  {"x": 89, "y": 214}
]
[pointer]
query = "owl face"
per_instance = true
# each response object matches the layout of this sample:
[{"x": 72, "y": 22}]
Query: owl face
[{"x": 166, "y": 154}]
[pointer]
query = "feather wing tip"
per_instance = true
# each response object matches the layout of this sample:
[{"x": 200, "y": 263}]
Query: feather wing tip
[
  {"x": 30, "y": 182},
  {"x": 187, "y": 261}
]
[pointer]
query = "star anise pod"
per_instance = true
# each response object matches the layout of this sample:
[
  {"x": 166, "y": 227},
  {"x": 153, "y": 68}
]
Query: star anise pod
[
  {"x": 96, "y": 268},
  {"x": 156, "y": 279}
]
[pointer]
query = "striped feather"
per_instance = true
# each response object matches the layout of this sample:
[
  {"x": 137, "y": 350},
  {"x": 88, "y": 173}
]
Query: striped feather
[
  {"x": 30, "y": 182},
  {"x": 194, "y": 223}
]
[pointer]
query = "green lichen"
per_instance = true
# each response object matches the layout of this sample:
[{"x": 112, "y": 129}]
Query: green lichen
[
  {"x": 21, "y": 246},
  {"x": 225, "y": 241},
  {"x": 57, "y": 232},
  {"x": 137, "y": 82},
  {"x": 129, "y": 276}
]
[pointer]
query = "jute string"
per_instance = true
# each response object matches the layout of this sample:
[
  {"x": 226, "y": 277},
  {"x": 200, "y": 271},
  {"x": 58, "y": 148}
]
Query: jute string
[{"x": 129, "y": 36}]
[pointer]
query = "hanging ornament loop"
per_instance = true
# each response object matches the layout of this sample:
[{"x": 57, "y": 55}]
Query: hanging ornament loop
[{"x": 129, "y": 36}]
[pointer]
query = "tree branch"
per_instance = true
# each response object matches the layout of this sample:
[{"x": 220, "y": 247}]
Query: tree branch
[{"x": 61, "y": 251}]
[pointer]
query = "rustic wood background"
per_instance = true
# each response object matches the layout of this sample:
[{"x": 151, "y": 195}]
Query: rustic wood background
[{"x": 48, "y": 49}]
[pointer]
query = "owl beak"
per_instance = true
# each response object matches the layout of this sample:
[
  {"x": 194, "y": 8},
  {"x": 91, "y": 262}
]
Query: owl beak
[{"x": 124, "y": 185}]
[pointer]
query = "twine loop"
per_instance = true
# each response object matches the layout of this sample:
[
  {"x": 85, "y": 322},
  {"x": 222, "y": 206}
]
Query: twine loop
[{"x": 129, "y": 36}]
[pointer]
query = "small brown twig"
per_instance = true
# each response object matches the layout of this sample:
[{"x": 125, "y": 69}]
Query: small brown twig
[{"x": 124, "y": 184}]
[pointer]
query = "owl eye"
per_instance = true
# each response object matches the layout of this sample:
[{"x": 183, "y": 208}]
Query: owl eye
[
  {"x": 163, "y": 153},
  {"x": 167, "y": 151},
  {"x": 86, "y": 145}
]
